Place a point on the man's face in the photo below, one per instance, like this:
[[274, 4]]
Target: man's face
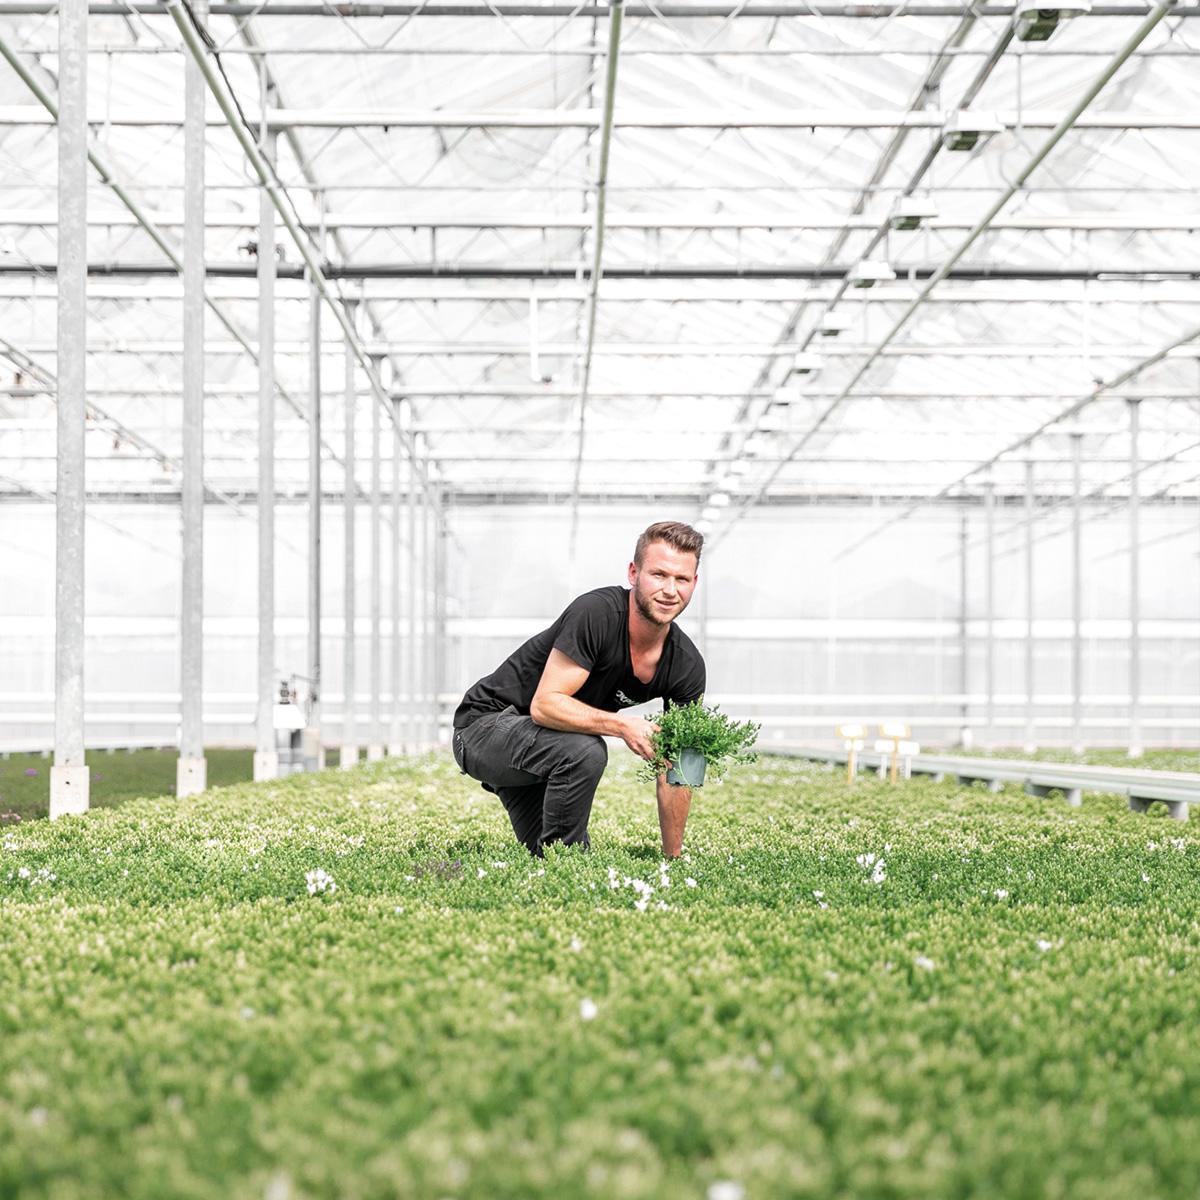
[[663, 584]]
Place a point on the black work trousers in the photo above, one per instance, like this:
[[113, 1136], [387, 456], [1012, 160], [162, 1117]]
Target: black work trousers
[[545, 778]]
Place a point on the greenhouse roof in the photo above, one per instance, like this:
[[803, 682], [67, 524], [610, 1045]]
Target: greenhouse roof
[[672, 303]]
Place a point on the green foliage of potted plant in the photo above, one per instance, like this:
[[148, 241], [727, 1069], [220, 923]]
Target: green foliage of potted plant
[[693, 737]]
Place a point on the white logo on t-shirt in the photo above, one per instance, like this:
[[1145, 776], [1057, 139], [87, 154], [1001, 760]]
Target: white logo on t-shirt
[[624, 699]]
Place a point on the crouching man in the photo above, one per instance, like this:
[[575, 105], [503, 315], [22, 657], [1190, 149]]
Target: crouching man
[[533, 730]]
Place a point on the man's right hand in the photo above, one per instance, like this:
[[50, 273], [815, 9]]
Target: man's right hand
[[636, 734]]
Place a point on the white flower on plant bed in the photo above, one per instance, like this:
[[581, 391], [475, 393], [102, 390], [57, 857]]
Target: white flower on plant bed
[[876, 865], [319, 881], [588, 1010]]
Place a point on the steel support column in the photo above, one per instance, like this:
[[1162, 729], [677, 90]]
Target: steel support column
[[989, 605], [349, 754], [413, 736], [266, 755], [1135, 644], [69, 772], [441, 535], [1030, 728], [395, 733], [191, 770], [1077, 592], [313, 747], [965, 735], [375, 734], [427, 569]]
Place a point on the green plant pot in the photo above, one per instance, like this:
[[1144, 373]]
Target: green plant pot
[[689, 770]]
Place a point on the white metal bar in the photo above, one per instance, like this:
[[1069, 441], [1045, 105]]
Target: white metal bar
[[69, 773], [396, 734], [314, 753], [375, 739], [1077, 591], [266, 757], [1030, 742], [1135, 649], [191, 770], [349, 754]]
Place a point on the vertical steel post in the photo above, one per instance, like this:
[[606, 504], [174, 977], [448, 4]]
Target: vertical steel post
[[1135, 641], [395, 735], [442, 533], [313, 747], [1077, 592], [266, 755], [375, 737], [191, 770], [414, 576], [428, 516], [349, 752], [989, 513], [69, 772], [965, 736], [1030, 725]]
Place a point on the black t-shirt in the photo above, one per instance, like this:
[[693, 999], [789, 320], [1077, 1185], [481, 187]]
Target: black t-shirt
[[593, 631]]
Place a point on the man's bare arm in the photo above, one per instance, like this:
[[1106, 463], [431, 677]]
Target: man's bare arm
[[555, 707], [673, 806]]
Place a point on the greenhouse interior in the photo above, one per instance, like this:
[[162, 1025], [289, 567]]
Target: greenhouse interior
[[351, 356]]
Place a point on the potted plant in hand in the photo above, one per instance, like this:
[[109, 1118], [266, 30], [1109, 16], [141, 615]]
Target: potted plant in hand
[[693, 737]]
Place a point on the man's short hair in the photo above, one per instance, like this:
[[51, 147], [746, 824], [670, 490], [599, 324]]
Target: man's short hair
[[674, 533]]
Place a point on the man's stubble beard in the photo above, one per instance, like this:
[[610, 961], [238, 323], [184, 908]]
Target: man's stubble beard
[[646, 608]]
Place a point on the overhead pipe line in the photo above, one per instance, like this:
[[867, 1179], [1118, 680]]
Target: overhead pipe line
[[1115, 273], [108, 176], [271, 84], [1065, 415], [1160, 11], [277, 120], [187, 27], [610, 95], [350, 8], [932, 80], [1096, 493], [149, 452]]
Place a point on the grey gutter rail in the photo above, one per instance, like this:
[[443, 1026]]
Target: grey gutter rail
[[1176, 789]]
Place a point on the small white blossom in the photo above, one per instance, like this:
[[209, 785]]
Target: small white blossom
[[818, 895], [24, 873], [588, 1010], [319, 881], [481, 873], [1044, 945], [1145, 877], [690, 881], [1001, 893], [926, 964], [576, 945]]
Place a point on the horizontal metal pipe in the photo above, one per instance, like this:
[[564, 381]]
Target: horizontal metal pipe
[[331, 271], [45, 218], [277, 120], [849, 9]]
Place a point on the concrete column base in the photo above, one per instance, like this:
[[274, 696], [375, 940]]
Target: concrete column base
[[349, 758], [69, 787], [374, 752], [266, 765], [191, 776], [312, 753]]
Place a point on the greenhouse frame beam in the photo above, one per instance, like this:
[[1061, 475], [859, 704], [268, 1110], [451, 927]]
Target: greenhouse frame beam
[[1160, 10], [187, 25], [600, 191], [350, 9], [1115, 272], [1108, 388], [280, 120], [647, 222]]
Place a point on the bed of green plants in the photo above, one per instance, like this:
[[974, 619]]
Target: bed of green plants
[[114, 778], [1150, 760], [358, 985]]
